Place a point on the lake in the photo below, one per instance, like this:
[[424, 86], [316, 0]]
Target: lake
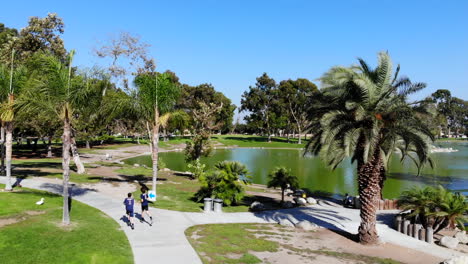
[[451, 169]]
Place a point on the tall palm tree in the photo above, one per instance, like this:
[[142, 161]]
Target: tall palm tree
[[282, 177], [363, 113], [12, 79], [156, 95], [57, 91]]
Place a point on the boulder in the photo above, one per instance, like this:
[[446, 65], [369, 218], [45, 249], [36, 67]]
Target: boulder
[[306, 225], [311, 200], [257, 206], [288, 204], [449, 242], [461, 236], [136, 165], [300, 201], [285, 222], [166, 169], [456, 260]]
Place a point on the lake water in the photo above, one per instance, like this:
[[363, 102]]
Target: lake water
[[451, 169]]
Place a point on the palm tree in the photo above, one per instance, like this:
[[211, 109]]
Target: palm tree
[[224, 182], [282, 178], [56, 91], [363, 113], [11, 80], [156, 95]]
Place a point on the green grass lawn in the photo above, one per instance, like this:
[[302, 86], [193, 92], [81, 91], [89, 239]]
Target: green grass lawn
[[38, 237], [256, 141], [237, 243]]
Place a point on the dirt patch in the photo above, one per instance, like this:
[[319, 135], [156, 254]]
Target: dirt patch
[[10, 221], [35, 212], [326, 246]]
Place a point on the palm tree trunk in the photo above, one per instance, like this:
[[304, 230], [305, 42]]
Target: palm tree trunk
[[66, 169], [49, 148], [8, 153], [369, 191], [76, 157], [155, 140], [2, 149]]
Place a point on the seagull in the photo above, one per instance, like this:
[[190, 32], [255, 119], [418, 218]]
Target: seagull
[[40, 202]]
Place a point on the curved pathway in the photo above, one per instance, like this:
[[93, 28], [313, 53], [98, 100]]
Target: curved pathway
[[165, 241]]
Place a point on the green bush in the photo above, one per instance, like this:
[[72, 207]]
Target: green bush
[[434, 207]]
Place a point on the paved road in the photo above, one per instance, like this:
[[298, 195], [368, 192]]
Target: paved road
[[165, 241]]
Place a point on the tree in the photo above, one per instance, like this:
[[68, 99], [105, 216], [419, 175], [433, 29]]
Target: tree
[[40, 35], [259, 101], [156, 95], [282, 178], [437, 208], [193, 98], [6, 34], [362, 113], [12, 79], [57, 91], [224, 182], [129, 48], [295, 95]]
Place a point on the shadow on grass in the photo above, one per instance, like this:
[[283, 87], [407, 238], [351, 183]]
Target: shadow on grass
[[73, 190]]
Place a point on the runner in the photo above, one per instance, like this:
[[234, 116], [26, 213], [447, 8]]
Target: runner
[[129, 202], [144, 206]]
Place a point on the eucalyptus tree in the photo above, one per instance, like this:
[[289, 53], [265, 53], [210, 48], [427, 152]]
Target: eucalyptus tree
[[156, 95], [12, 79], [363, 113], [296, 94], [58, 91]]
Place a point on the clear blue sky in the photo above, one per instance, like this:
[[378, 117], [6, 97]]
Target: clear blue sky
[[230, 43]]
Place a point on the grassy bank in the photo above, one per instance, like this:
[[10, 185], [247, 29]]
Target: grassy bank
[[34, 233]]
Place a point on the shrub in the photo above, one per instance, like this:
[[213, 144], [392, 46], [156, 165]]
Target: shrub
[[197, 168], [225, 182], [434, 207]]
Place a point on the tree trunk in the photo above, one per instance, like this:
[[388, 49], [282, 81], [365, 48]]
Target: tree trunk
[[76, 157], [35, 144], [155, 147], [88, 146], [369, 191], [299, 135], [282, 195], [49, 148], [8, 153], [66, 168], [2, 149]]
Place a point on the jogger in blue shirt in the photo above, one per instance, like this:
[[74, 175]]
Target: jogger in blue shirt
[[144, 206], [129, 202]]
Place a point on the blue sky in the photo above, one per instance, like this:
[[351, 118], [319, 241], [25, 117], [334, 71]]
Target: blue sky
[[230, 43]]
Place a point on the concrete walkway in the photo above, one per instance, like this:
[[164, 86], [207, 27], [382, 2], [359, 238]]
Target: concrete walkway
[[165, 241]]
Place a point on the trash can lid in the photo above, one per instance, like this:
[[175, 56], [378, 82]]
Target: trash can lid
[[207, 199], [218, 200]]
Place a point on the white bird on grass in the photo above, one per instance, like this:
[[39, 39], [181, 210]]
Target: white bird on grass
[[40, 202]]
